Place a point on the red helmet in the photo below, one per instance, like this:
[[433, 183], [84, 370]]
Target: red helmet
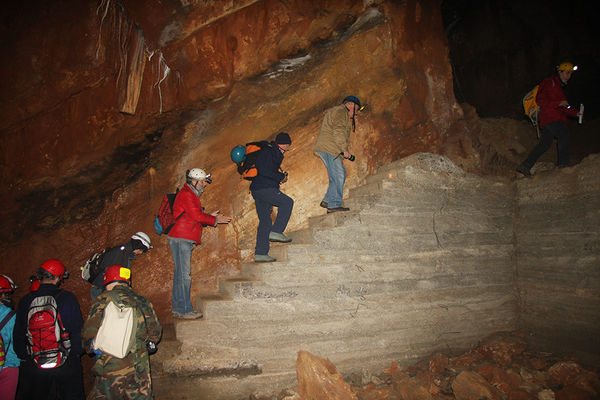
[[117, 273], [55, 267], [6, 284]]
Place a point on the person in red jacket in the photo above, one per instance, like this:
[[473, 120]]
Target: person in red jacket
[[185, 234], [554, 110]]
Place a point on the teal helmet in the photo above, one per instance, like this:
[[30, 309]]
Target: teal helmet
[[238, 154]]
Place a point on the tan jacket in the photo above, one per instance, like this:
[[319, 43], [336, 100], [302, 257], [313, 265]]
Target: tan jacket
[[334, 136]]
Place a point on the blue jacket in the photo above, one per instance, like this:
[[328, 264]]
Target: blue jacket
[[7, 336], [268, 163], [69, 311]]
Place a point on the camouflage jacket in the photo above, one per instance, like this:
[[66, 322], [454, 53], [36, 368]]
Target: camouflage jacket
[[148, 329]]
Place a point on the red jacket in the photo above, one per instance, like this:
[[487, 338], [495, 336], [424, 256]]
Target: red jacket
[[189, 225], [549, 95]]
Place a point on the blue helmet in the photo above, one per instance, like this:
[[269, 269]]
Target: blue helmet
[[238, 154], [352, 99]]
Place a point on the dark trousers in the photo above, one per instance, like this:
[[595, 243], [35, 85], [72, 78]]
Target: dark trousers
[[558, 130], [265, 199], [44, 384]]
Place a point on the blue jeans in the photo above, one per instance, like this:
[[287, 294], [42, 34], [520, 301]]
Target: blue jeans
[[337, 177], [182, 280], [265, 199]]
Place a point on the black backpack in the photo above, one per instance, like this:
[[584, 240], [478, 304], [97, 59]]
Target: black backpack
[[91, 268], [247, 168]]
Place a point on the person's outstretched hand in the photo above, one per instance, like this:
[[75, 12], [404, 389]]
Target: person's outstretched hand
[[221, 219]]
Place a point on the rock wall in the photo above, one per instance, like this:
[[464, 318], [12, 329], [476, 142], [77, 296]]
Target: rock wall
[[96, 175], [558, 259]]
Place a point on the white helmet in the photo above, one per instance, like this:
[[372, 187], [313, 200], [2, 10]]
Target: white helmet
[[145, 239], [198, 174]]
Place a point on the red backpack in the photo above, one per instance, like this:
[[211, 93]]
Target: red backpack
[[48, 343], [164, 221]]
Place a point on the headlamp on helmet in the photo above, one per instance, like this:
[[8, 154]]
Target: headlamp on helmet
[[566, 66], [198, 174]]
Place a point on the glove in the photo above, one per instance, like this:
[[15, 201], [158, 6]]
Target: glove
[[95, 351]]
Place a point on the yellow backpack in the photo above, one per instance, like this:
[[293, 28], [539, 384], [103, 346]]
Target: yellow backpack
[[531, 107]]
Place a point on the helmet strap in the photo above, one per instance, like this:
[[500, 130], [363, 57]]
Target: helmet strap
[[197, 189], [6, 300], [280, 149]]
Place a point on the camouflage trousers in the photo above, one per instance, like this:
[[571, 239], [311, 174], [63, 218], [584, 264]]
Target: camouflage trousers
[[130, 386]]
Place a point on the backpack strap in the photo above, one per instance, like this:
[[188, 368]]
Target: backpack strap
[[58, 317], [180, 215], [113, 297], [7, 318]]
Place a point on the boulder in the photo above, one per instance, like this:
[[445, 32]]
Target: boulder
[[318, 379], [469, 385]]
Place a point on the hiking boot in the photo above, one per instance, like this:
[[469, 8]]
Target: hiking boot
[[521, 168], [263, 258], [336, 209], [279, 237], [323, 204], [192, 315]]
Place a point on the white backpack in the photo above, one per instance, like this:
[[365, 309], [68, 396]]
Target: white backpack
[[116, 335]]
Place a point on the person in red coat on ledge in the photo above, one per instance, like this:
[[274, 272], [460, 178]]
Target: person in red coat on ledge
[[185, 234], [554, 109]]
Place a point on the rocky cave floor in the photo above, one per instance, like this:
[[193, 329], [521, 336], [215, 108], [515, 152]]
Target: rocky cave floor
[[501, 366]]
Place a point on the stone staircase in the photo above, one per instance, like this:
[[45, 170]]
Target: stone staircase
[[421, 263]]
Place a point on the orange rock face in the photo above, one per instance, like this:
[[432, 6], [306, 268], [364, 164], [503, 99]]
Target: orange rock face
[[118, 100]]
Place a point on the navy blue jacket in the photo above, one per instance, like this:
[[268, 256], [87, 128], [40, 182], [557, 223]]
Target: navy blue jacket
[[268, 163], [69, 311]]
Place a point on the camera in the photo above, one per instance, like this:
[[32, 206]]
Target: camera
[[351, 158], [151, 347]]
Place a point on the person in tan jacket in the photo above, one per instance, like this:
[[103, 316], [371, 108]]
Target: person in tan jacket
[[332, 147]]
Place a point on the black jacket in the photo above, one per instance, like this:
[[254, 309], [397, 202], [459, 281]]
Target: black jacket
[[268, 163], [120, 255]]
